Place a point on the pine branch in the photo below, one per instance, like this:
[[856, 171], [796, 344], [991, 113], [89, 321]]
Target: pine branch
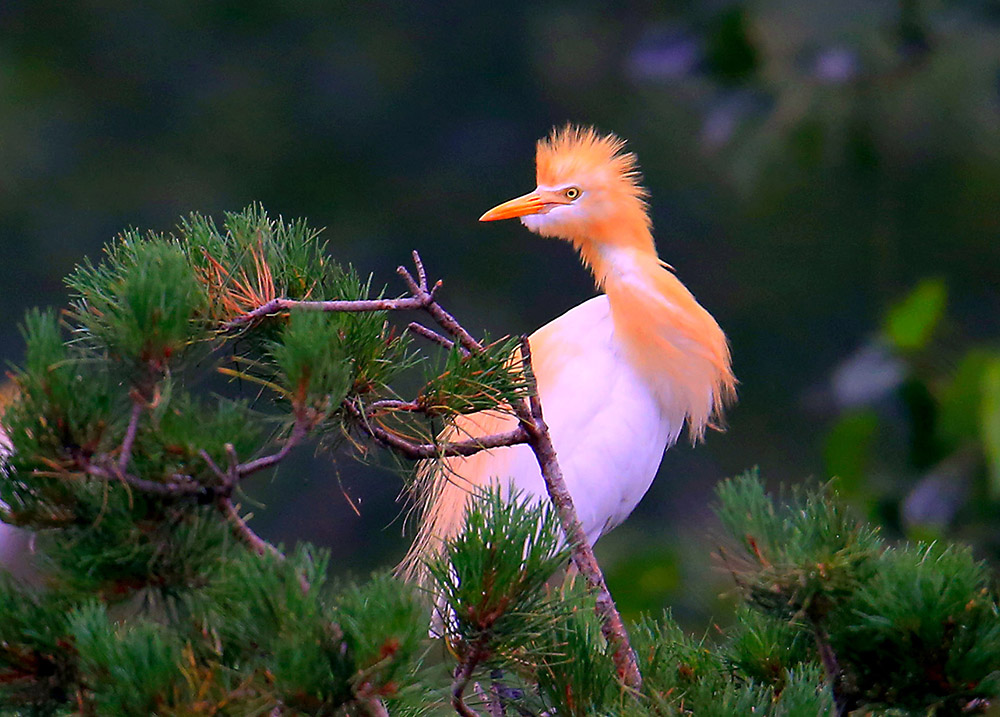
[[540, 441], [431, 335], [463, 674], [532, 430], [275, 306], [421, 451], [299, 431], [243, 531], [418, 289], [180, 485], [130, 432], [831, 668]]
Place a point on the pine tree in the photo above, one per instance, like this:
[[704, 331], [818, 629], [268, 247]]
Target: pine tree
[[157, 597]]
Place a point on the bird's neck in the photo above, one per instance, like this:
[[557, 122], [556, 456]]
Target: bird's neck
[[672, 342]]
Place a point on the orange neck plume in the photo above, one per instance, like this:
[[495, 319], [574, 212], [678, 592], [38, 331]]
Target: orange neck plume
[[669, 337]]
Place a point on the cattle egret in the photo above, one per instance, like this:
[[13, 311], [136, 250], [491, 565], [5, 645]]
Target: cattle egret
[[618, 376]]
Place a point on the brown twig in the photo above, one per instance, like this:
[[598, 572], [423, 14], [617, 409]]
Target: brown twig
[[243, 531], [175, 489], [540, 441], [182, 485], [463, 673], [406, 303], [419, 290], [422, 297], [420, 451], [299, 432], [431, 335], [831, 667], [130, 432], [393, 405], [210, 462]]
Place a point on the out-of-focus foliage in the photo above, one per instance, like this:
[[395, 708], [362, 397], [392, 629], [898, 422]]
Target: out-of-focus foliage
[[920, 452]]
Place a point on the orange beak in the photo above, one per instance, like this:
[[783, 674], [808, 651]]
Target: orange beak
[[528, 204]]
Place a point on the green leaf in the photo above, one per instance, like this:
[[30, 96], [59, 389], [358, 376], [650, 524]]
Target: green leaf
[[989, 421], [847, 450], [959, 416], [910, 323]]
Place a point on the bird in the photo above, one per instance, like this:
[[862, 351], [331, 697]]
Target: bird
[[619, 377]]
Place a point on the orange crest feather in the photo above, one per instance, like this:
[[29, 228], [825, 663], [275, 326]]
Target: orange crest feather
[[573, 152]]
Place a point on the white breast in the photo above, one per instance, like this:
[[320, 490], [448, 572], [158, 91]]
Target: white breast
[[606, 424]]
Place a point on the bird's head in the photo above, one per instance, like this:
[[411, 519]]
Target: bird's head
[[588, 192]]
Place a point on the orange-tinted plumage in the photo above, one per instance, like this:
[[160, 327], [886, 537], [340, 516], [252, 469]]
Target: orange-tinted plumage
[[618, 376]]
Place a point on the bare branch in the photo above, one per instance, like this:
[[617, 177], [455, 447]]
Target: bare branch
[[130, 432], [417, 288], [175, 489], [392, 405], [299, 432], [463, 673], [185, 485], [406, 303], [445, 320], [431, 335], [421, 274], [421, 297], [831, 667], [212, 464], [420, 451], [243, 531]]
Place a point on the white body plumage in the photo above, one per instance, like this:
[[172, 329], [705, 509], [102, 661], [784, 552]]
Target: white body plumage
[[606, 424]]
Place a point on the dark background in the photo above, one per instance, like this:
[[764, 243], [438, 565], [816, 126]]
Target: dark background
[[810, 165]]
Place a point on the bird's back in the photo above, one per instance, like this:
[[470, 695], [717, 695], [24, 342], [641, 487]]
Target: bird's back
[[606, 424]]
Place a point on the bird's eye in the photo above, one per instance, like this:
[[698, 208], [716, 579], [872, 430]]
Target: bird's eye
[[571, 193]]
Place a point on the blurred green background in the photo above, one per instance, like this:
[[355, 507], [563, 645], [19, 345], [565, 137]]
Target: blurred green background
[[825, 177]]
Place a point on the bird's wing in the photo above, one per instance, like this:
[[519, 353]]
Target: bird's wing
[[604, 422], [443, 487]]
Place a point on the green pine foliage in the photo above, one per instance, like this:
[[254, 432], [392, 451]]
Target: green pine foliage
[[466, 384], [142, 304], [153, 596], [492, 577], [911, 627]]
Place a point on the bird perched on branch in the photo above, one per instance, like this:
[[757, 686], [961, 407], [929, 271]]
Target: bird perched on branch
[[619, 376]]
